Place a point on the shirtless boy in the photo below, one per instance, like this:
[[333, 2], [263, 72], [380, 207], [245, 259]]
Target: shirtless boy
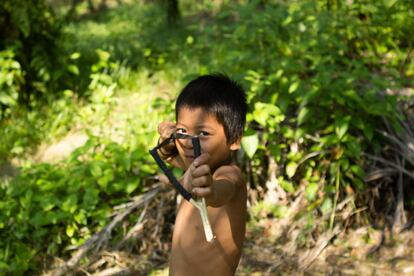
[[212, 107]]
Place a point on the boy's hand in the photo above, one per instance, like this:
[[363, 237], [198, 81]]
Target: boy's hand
[[199, 177], [166, 129]]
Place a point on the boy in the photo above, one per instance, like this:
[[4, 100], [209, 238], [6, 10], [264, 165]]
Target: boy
[[214, 108]]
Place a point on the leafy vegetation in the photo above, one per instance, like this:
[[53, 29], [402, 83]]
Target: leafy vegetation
[[323, 78]]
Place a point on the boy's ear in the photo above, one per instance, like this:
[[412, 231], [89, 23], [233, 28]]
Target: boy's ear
[[236, 145]]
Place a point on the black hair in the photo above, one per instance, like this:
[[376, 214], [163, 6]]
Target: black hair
[[220, 96]]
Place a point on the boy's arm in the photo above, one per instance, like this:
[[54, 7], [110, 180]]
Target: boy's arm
[[219, 188], [226, 181]]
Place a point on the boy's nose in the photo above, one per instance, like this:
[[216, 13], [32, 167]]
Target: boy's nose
[[187, 143]]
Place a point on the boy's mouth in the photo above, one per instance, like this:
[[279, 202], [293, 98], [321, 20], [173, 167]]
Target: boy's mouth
[[191, 157]]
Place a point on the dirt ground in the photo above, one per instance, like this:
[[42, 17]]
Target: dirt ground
[[355, 252]]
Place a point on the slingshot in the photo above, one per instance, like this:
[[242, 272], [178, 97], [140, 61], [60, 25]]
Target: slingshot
[[200, 204]]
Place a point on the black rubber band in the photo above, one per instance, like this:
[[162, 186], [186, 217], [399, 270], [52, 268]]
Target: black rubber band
[[154, 153], [170, 175]]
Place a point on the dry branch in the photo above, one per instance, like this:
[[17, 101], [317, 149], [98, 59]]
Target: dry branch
[[386, 162], [309, 256], [98, 240]]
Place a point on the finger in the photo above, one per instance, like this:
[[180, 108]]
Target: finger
[[202, 159], [164, 179], [202, 181], [200, 171], [165, 129], [202, 192]]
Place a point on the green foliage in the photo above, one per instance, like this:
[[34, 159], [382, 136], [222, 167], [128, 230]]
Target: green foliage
[[49, 208], [318, 84], [325, 89], [318, 80], [11, 78], [32, 53], [24, 129]]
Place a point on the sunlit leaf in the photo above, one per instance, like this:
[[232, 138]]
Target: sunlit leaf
[[264, 112], [311, 191], [73, 69], [291, 169], [389, 3], [70, 230], [250, 142], [303, 115], [95, 169], [190, 40], [326, 206], [286, 185], [293, 87], [131, 186], [75, 55], [341, 126]]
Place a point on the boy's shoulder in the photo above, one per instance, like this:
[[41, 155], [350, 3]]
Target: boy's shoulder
[[229, 172]]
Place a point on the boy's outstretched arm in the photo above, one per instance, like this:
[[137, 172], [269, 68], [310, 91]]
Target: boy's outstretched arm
[[217, 189]]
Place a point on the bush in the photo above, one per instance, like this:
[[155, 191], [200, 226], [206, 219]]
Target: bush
[[49, 208]]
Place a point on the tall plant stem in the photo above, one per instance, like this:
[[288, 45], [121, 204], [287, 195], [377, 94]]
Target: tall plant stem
[[337, 181]]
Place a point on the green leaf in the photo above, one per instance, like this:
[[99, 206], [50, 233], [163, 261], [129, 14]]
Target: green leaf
[[303, 115], [80, 217], [75, 55], [70, 203], [3, 266], [326, 206], [73, 69], [311, 191], [341, 126], [358, 171], [190, 40], [354, 149], [291, 169], [131, 186], [70, 230], [95, 169], [276, 152], [368, 131], [293, 87], [250, 142], [263, 112], [8, 99], [48, 204], [20, 15], [91, 197], [389, 3], [286, 185], [279, 211]]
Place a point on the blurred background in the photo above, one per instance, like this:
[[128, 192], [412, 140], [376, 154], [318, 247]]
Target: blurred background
[[328, 150]]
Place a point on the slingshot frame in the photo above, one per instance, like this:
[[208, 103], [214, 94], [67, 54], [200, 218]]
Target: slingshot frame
[[200, 204]]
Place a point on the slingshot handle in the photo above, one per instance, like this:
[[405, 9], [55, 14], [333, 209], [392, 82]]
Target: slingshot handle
[[201, 203], [196, 146]]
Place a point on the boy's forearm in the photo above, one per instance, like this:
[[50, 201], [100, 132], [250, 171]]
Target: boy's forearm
[[223, 191]]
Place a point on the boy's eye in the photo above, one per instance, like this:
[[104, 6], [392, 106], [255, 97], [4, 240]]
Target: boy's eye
[[180, 130], [203, 133]]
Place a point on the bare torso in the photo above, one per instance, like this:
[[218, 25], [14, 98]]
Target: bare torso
[[192, 255]]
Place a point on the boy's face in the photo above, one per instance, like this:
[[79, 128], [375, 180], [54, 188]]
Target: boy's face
[[197, 121]]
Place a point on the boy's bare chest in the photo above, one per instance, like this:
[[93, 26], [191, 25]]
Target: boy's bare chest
[[226, 225]]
